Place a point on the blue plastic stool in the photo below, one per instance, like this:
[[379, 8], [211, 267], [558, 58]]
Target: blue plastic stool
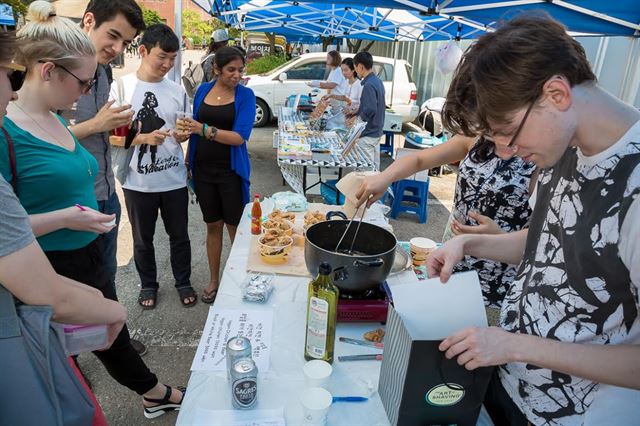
[[388, 144], [418, 193]]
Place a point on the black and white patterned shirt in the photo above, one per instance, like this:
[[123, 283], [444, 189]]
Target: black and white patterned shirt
[[498, 189], [578, 282]]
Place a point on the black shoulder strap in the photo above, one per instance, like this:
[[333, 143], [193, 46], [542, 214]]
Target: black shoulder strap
[[12, 160]]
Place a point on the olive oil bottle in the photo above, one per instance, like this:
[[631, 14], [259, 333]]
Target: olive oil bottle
[[322, 311]]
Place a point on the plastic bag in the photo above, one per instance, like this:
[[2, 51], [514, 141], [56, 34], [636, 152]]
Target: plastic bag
[[289, 201], [448, 57]]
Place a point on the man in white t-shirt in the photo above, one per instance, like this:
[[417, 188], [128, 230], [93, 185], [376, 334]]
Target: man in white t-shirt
[[568, 345], [156, 180]]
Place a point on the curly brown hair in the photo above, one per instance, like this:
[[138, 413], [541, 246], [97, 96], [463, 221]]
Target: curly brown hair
[[506, 70]]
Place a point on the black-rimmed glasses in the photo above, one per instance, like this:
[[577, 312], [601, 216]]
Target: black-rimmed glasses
[[519, 129], [16, 76], [85, 85]]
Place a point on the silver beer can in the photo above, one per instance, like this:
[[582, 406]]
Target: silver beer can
[[244, 383], [237, 347]]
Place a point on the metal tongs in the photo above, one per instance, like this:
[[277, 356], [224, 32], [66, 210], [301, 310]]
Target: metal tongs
[[364, 210]]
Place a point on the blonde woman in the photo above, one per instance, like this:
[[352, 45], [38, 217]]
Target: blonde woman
[[52, 171]]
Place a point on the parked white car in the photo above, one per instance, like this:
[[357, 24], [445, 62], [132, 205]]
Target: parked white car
[[274, 87]]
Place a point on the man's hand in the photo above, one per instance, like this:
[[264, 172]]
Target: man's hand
[[314, 83], [485, 225], [109, 118], [479, 347], [156, 137], [442, 261]]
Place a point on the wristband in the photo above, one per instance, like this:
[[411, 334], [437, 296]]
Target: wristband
[[205, 126]]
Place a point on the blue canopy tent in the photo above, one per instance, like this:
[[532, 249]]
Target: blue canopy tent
[[6, 15], [328, 19], [349, 18]]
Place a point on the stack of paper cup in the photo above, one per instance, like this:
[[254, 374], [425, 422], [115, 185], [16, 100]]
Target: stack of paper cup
[[420, 249]]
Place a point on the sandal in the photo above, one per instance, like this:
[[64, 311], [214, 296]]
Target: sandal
[[186, 292], [164, 404], [209, 297], [147, 294]]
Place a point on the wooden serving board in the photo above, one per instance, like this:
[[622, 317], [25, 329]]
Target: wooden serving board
[[295, 265]]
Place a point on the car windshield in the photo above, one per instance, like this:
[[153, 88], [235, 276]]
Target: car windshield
[[278, 69]]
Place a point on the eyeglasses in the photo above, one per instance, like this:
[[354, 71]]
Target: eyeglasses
[[85, 85], [16, 76], [519, 129], [490, 138]]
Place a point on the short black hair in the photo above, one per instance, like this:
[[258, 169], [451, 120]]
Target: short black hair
[[162, 36], [365, 59], [227, 54], [107, 10]]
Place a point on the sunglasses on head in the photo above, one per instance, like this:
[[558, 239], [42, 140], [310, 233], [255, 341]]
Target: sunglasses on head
[[16, 76]]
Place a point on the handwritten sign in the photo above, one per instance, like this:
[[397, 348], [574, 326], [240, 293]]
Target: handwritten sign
[[222, 325]]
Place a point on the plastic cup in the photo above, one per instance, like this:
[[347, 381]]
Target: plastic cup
[[316, 403], [421, 248], [180, 117], [122, 131], [317, 373]]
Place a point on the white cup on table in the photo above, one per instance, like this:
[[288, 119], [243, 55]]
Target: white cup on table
[[317, 373], [316, 403]]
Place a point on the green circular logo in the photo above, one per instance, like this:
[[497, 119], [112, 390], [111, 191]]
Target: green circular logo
[[444, 395]]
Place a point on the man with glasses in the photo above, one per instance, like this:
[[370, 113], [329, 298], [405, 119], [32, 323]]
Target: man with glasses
[[569, 342], [111, 26]]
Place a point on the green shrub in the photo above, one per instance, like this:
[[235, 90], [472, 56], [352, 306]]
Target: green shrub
[[265, 64], [197, 41]]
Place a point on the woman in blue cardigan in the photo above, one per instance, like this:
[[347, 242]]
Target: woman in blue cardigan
[[224, 112]]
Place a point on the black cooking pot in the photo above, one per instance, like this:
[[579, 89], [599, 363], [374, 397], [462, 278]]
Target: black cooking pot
[[365, 268]]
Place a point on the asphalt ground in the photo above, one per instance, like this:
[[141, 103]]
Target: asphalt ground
[[171, 332]]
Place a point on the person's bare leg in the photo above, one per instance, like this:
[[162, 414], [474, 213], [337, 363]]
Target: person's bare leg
[[232, 232], [214, 252]]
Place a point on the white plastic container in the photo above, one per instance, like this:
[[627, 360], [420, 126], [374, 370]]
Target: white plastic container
[[83, 338]]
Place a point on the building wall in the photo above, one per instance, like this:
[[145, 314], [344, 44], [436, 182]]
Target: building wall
[[164, 8]]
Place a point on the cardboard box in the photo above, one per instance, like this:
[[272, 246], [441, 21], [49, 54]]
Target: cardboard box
[[392, 122]]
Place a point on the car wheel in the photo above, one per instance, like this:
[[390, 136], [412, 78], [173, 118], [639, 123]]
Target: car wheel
[[262, 114]]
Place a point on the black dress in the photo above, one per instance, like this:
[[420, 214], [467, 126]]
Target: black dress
[[218, 188]]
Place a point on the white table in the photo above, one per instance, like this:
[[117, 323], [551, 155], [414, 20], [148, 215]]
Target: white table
[[281, 386]]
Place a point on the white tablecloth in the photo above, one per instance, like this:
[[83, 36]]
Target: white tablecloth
[[281, 386]]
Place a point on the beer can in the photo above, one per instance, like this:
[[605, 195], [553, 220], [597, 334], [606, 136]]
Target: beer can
[[237, 347], [244, 383]]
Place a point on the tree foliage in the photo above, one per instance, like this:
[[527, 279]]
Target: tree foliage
[[19, 6], [150, 17]]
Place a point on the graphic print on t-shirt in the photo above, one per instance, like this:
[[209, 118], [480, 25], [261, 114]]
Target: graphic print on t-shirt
[[149, 121]]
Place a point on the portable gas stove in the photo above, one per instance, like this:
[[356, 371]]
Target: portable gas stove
[[370, 306]]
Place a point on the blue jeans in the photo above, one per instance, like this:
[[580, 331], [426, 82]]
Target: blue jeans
[[111, 206]]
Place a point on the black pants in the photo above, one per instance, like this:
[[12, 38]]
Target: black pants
[[87, 265], [142, 208], [500, 406]]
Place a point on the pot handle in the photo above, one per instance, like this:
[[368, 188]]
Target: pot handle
[[371, 264], [341, 215]]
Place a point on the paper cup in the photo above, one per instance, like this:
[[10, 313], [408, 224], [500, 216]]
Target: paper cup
[[316, 403], [420, 249], [317, 373]]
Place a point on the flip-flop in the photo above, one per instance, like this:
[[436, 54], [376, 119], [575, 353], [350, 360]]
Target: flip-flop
[[147, 294], [164, 404], [186, 292], [209, 297]]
